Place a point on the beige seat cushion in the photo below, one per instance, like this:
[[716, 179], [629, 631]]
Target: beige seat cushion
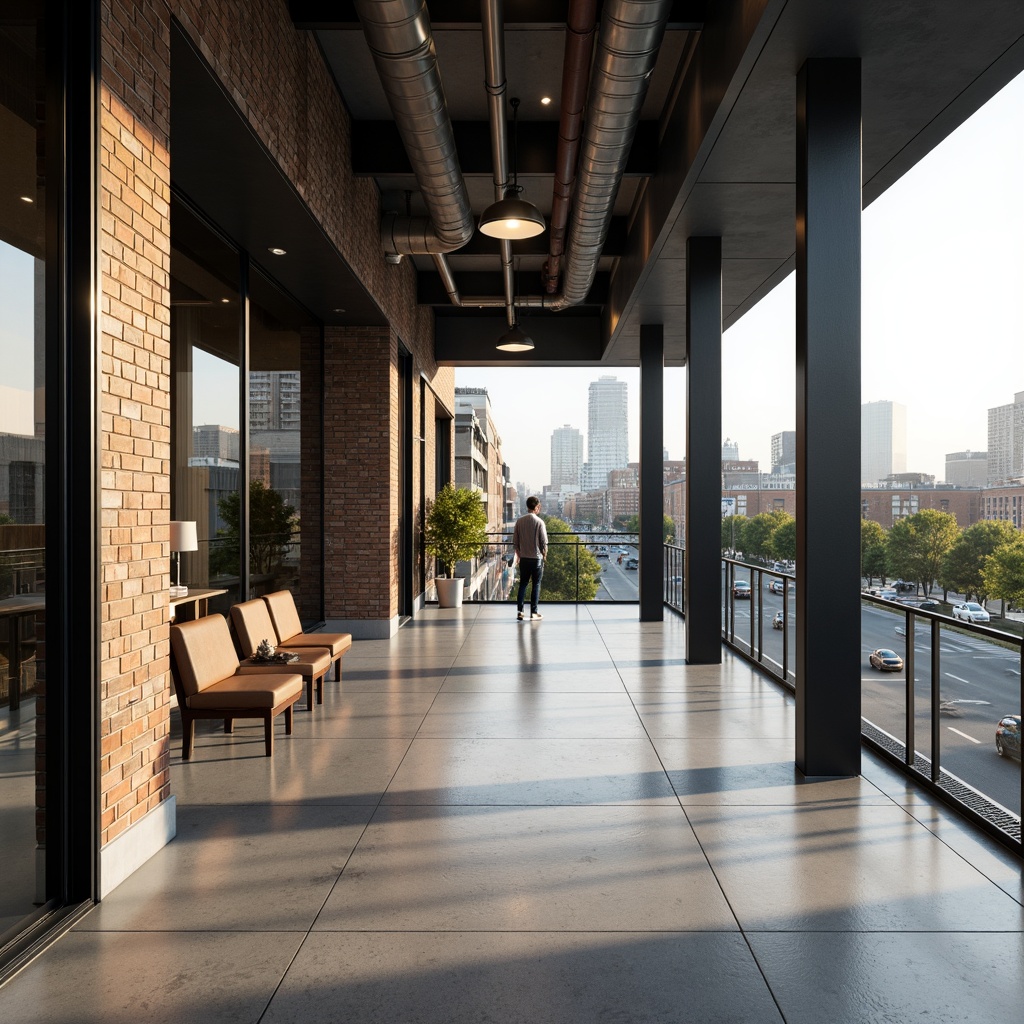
[[313, 661], [253, 625], [203, 653], [261, 690], [336, 643]]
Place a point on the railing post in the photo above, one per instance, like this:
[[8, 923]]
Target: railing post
[[936, 700], [908, 668]]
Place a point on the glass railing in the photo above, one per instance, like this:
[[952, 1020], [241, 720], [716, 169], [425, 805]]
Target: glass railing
[[940, 697], [578, 569]]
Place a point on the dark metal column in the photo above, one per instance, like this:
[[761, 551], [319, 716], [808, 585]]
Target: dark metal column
[[652, 473], [828, 640], [703, 503]]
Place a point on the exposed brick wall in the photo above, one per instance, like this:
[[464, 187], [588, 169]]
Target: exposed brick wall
[[361, 453], [134, 460]]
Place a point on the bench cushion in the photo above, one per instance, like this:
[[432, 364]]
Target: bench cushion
[[288, 626], [203, 652], [336, 643], [258, 690]]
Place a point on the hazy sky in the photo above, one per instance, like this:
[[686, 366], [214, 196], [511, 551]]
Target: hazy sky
[[943, 320]]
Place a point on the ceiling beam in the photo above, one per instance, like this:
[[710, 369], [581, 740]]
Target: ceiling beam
[[430, 291], [377, 149], [453, 15], [561, 340]]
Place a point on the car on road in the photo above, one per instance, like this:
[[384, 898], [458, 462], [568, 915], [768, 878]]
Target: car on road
[[970, 611], [778, 620], [904, 587], [776, 586], [741, 589], [1008, 736], [632, 563], [885, 660]]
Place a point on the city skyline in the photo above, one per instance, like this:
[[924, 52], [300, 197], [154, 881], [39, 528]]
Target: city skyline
[[942, 334]]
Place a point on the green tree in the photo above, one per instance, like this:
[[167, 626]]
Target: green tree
[[272, 522], [631, 524], [1003, 573], [733, 530], [872, 550], [5, 519], [784, 541], [917, 545], [963, 567], [559, 580], [456, 527], [759, 535]]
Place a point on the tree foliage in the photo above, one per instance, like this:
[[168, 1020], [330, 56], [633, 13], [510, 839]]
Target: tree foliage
[[631, 524], [733, 531], [456, 527], [963, 567], [272, 521], [759, 534], [559, 582], [784, 541], [917, 545], [872, 550], [1003, 572]]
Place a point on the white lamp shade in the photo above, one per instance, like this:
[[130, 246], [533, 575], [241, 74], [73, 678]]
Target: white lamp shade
[[183, 536]]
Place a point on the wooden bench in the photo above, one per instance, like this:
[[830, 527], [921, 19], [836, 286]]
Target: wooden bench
[[207, 682]]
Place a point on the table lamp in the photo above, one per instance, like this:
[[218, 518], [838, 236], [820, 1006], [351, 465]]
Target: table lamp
[[183, 538]]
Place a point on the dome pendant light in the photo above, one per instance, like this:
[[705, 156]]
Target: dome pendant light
[[512, 218], [514, 339]]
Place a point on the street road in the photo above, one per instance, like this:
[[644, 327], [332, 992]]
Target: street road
[[972, 668]]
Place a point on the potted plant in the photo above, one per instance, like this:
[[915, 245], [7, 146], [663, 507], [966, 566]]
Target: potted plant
[[456, 529]]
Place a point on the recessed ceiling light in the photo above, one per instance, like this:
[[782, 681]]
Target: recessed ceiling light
[[277, 251], [340, 309], [27, 199], [225, 300], [545, 101]]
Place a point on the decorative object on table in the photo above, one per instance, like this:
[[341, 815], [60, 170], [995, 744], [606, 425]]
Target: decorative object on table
[[266, 653], [183, 538], [456, 530]]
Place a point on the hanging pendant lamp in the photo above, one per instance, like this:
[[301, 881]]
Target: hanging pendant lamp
[[514, 340], [512, 217]]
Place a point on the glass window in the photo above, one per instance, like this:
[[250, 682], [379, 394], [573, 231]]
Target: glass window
[[23, 779], [205, 398]]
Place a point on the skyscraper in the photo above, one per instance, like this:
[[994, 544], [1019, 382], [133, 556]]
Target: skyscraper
[[784, 452], [566, 457], [607, 432], [730, 450], [883, 441], [1006, 441]]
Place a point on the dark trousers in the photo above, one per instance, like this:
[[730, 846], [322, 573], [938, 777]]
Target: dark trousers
[[530, 570]]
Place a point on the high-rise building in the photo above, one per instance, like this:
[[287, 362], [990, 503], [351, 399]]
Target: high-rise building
[[478, 461], [784, 452], [967, 469], [883, 441], [566, 457], [607, 432], [211, 441], [730, 450], [1006, 441]]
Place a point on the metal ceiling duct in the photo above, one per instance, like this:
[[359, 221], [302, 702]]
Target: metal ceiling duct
[[398, 34], [630, 36]]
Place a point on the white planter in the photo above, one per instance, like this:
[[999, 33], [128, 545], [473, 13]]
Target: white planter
[[449, 592]]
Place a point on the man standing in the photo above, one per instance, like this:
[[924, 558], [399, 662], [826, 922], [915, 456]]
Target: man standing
[[530, 540]]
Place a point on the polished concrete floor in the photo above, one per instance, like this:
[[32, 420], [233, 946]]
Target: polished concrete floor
[[552, 821]]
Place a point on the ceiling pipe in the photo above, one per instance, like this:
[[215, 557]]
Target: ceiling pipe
[[492, 18], [581, 22], [399, 37], [630, 36]]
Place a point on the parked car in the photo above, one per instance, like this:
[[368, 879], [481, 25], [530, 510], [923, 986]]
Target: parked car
[[885, 660], [904, 587], [930, 606], [1008, 736], [970, 611], [741, 589], [778, 620]]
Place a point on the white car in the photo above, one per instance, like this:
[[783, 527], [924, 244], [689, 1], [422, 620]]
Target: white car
[[970, 611]]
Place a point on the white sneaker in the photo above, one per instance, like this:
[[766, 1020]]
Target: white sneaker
[[536, 615]]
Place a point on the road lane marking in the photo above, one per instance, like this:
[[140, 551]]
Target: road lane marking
[[965, 736], [958, 679]]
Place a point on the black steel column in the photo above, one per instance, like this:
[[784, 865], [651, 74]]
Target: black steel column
[[828, 633], [703, 502], [652, 472]]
